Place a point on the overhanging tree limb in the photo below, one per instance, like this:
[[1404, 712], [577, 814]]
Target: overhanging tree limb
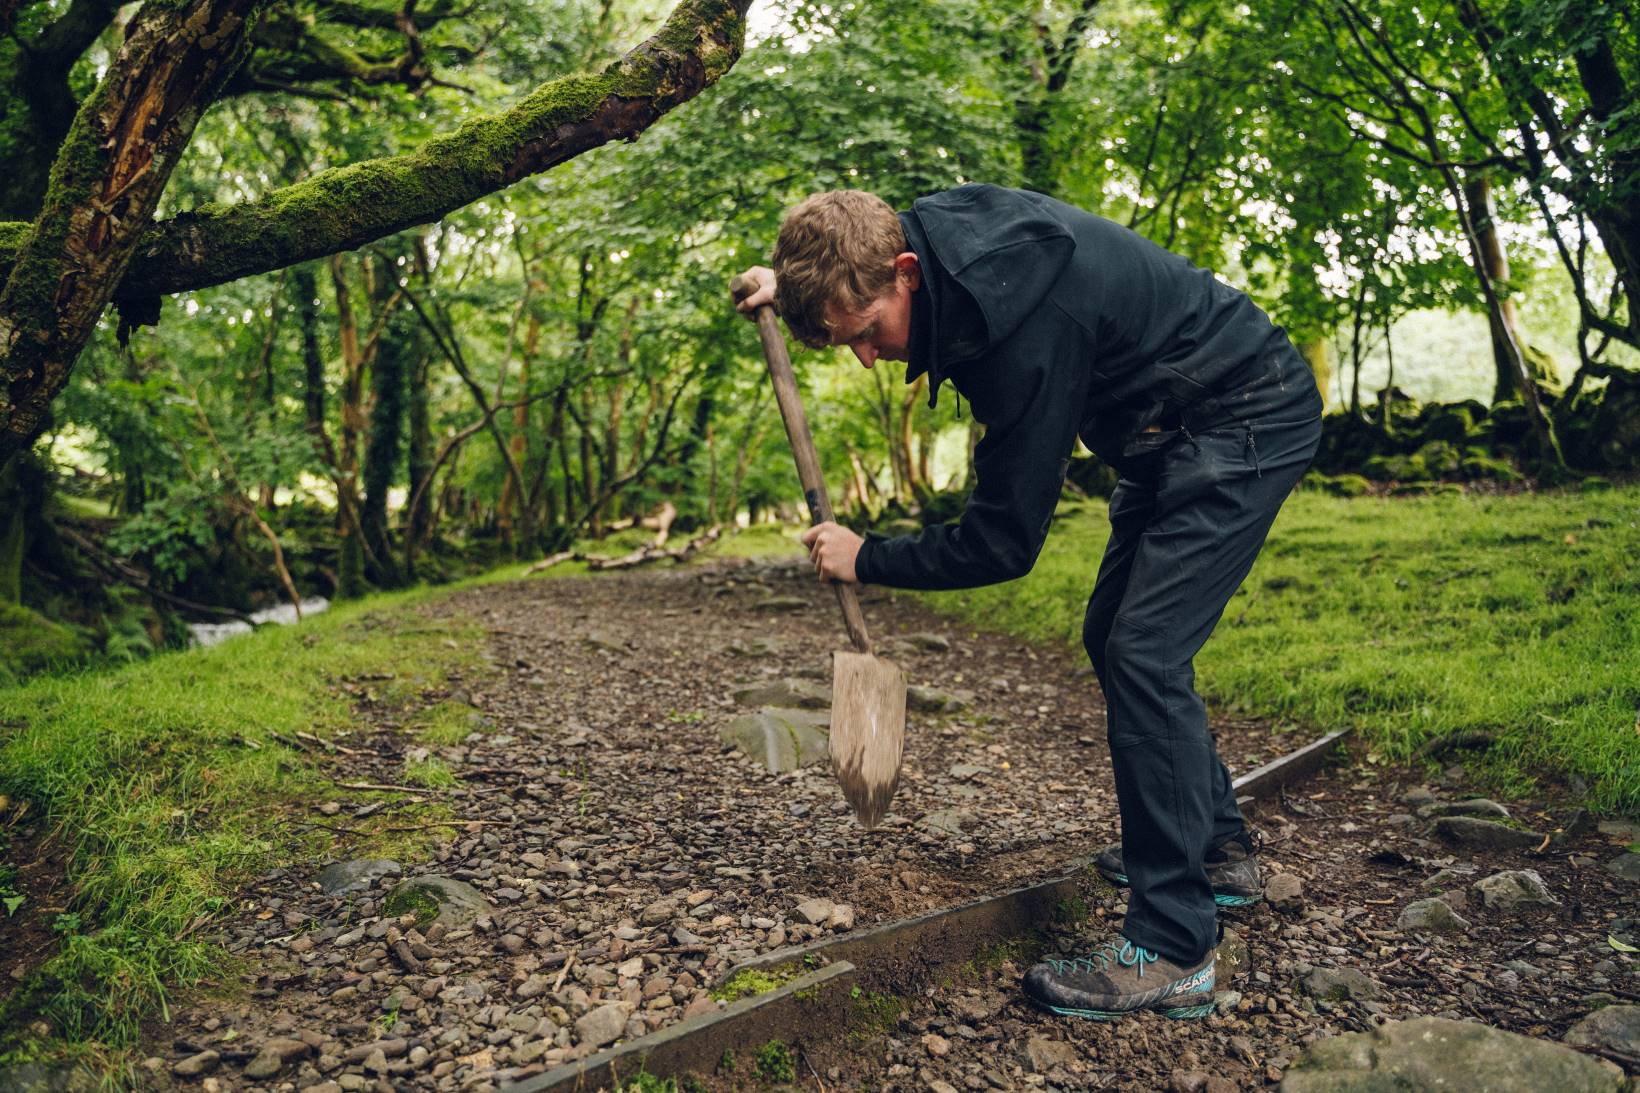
[[346, 207]]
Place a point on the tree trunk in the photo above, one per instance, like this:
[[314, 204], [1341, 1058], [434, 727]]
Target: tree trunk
[[40, 104], [387, 408], [1317, 353], [518, 443], [419, 456], [133, 479], [907, 431], [305, 284], [1501, 316], [611, 469], [107, 179], [1541, 425], [589, 465]]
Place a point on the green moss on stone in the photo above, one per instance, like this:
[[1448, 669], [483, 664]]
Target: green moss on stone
[[753, 981], [416, 901]]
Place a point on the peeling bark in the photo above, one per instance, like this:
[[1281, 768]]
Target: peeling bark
[[85, 243]]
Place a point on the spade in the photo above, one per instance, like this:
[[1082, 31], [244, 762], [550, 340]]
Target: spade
[[867, 691]]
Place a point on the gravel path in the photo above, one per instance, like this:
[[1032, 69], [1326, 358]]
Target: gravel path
[[629, 861]]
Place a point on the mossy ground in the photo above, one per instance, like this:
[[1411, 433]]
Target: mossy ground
[[30, 642], [169, 785], [775, 1062]]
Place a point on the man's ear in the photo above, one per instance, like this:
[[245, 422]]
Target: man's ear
[[906, 266]]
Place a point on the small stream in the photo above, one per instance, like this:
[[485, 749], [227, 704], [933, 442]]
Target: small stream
[[212, 633]]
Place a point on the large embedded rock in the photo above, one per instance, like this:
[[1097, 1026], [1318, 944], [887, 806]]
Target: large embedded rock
[[1615, 1028], [1515, 888], [346, 877], [1233, 961], [947, 821], [799, 694], [603, 1025], [1626, 865], [48, 1078], [781, 739], [1285, 892], [1472, 833], [434, 898], [921, 699], [1045, 1054], [1475, 806], [1340, 984], [1435, 1053], [1431, 916]]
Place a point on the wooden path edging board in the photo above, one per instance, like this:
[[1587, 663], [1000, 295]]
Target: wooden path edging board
[[1269, 779], [697, 1045]]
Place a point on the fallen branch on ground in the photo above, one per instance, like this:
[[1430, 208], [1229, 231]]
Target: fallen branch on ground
[[644, 555], [554, 559], [386, 789]]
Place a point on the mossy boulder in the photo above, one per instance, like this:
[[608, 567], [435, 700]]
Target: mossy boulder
[[1478, 464], [1508, 425], [434, 898], [1397, 468], [782, 739], [1436, 1053], [1449, 423], [1440, 458], [1426, 489], [1615, 429], [1093, 476], [1340, 485], [30, 643]]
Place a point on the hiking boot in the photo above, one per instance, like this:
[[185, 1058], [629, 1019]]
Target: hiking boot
[[1232, 870], [1122, 978]]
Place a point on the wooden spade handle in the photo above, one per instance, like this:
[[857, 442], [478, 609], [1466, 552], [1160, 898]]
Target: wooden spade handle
[[802, 442]]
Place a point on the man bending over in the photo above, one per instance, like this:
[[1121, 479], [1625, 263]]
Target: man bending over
[[1056, 324]]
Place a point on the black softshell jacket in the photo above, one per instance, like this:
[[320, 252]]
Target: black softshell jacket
[[1053, 322]]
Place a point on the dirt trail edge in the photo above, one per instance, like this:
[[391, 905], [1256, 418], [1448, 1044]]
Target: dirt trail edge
[[627, 860]]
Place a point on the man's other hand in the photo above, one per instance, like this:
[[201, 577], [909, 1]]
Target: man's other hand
[[832, 549], [763, 276]]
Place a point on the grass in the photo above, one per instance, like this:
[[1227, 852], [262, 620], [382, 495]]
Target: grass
[[168, 786], [1412, 619]]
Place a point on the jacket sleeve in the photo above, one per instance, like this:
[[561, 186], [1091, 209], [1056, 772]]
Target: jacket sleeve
[[1030, 410]]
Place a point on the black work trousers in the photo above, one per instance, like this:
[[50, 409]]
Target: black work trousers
[[1182, 540]]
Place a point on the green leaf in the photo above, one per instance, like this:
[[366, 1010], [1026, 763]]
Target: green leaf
[[12, 903]]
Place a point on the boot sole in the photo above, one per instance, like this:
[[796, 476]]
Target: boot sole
[[1176, 1013], [1121, 879]]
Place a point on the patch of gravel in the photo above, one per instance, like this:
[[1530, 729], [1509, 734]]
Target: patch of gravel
[[626, 862]]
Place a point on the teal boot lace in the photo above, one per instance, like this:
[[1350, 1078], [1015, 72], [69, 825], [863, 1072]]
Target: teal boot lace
[[1121, 950]]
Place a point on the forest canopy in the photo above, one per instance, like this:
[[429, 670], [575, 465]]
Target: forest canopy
[[307, 296]]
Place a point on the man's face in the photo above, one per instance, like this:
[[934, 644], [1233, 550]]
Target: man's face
[[882, 330]]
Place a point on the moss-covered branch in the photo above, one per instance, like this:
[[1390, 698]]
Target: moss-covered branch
[[346, 207]]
